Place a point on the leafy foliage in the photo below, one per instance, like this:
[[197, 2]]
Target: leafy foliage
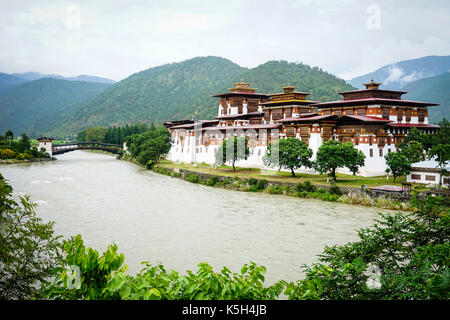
[[290, 153], [400, 257], [19, 149], [333, 154], [231, 150], [148, 147], [114, 134], [104, 277], [397, 164], [29, 250]]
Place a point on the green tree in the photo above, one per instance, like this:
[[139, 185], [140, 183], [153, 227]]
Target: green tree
[[403, 256], [417, 135], [29, 250], [148, 147], [232, 150], [290, 153], [397, 164], [104, 277], [24, 143], [333, 154], [95, 134], [413, 151], [442, 136], [9, 136], [442, 154]]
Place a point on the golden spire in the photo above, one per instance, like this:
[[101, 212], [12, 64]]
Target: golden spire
[[372, 85]]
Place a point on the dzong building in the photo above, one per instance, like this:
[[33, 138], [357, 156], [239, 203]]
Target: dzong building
[[374, 120]]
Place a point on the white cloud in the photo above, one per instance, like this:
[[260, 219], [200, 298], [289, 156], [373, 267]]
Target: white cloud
[[117, 38], [395, 74]]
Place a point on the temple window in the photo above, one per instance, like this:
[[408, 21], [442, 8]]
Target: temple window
[[385, 113], [381, 152], [361, 112], [399, 115], [371, 152], [408, 116], [421, 116]]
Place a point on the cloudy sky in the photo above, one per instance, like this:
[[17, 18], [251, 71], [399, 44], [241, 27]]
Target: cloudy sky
[[116, 38]]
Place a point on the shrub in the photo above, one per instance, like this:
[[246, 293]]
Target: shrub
[[192, 178], [176, 174], [212, 181], [7, 153], [275, 189], [299, 187], [361, 199], [334, 189], [309, 187], [262, 184]]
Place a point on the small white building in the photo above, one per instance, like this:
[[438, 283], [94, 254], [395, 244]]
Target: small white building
[[428, 172], [45, 143]]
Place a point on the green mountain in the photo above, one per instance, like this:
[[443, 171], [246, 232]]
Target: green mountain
[[182, 90], [434, 89], [31, 76], [397, 75], [32, 106], [8, 81]]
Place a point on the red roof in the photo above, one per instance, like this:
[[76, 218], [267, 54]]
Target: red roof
[[394, 102], [314, 118], [246, 127], [252, 94], [365, 118], [373, 90], [410, 125]]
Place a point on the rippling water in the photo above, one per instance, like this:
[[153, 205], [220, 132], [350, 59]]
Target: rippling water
[[162, 219]]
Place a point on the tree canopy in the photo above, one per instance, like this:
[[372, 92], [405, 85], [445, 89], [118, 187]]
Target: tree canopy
[[333, 154], [397, 164], [289, 153], [231, 150]]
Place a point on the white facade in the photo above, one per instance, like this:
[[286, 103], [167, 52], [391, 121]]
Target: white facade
[[47, 145], [427, 172]]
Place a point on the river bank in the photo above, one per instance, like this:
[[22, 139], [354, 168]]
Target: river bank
[[17, 161], [306, 190], [178, 223]]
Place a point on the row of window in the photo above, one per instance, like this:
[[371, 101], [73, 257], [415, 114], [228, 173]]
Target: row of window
[[381, 153], [419, 177]]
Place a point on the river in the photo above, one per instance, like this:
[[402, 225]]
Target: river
[[163, 219]]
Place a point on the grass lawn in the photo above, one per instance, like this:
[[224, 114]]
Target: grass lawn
[[343, 180]]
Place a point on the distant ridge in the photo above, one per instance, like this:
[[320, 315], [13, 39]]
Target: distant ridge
[[183, 90], [434, 89], [8, 81], [30, 106], [397, 75], [30, 76]]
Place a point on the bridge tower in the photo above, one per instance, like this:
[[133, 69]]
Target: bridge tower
[[45, 143]]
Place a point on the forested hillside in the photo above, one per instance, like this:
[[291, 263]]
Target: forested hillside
[[182, 90], [31, 106], [8, 81], [435, 89]]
